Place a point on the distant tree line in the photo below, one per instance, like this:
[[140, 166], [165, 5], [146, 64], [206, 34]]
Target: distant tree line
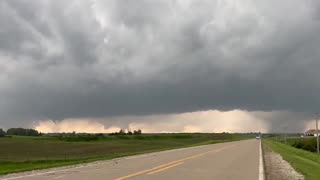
[[33, 132], [123, 132], [19, 132]]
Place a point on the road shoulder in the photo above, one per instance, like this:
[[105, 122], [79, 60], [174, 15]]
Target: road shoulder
[[276, 168]]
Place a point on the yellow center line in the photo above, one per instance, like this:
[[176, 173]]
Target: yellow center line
[[145, 171], [167, 167], [163, 166]]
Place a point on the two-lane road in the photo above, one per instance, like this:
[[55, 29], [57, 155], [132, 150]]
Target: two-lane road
[[232, 160]]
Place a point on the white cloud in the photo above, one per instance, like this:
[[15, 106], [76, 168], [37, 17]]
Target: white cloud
[[70, 125]]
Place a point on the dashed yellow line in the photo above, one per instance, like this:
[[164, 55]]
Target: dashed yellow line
[[145, 171], [168, 165]]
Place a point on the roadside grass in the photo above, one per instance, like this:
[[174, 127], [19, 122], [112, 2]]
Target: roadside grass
[[307, 163], [7, 167], [19, 154], [306, 143]]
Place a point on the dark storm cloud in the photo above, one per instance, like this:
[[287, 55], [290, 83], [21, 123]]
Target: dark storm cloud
[[74, 59]]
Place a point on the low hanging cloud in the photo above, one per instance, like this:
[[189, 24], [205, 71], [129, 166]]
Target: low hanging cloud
[[101, 59], [71, 125], [199, 121]]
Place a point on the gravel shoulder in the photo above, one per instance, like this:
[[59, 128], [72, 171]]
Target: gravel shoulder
[[276, 168]]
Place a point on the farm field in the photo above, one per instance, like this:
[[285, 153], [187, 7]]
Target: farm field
[[20, 153]]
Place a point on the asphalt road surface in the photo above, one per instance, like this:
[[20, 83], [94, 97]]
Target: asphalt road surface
[[231, 160]]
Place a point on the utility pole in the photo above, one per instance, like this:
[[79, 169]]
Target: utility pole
[[285, 134], [317, 129], [285, 138]]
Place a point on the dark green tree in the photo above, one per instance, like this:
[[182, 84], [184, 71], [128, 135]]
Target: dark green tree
[[137, 132], [2, 133], [22, 132], [122, 132]]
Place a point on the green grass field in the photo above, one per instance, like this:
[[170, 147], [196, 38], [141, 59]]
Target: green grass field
[[26, 153], [305, 162]]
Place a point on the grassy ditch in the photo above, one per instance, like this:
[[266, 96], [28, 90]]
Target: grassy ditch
[[305, 162], [27, 153]]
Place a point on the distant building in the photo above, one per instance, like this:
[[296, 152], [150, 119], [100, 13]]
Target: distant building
[[312, 132]]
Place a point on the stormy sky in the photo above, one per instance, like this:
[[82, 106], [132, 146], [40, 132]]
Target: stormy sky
[[169, 65]]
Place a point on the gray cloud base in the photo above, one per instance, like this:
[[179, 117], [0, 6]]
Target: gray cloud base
[[76, 59]]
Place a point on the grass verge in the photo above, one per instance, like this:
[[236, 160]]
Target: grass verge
[[307, 163]]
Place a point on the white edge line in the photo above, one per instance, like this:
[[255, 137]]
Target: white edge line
[[261, 168]]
